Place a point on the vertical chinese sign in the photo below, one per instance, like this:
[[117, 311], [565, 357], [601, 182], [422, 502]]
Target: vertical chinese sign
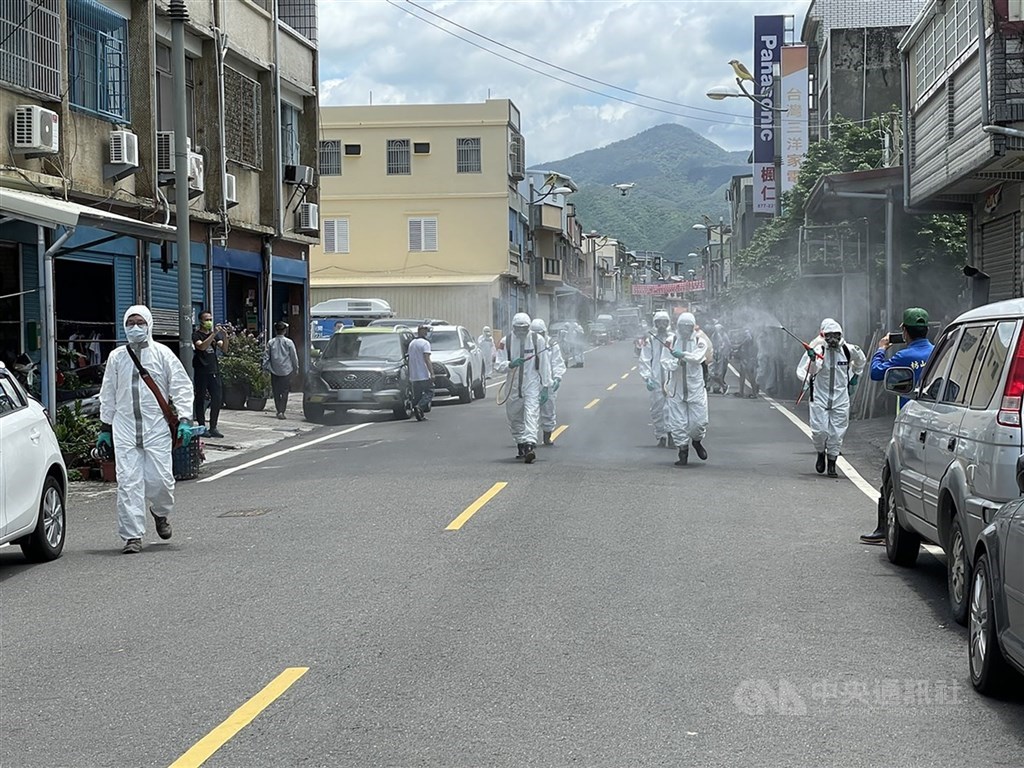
[[769, 34], [794, 119]]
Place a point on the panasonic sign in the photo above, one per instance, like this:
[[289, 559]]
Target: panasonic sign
[[769, 32]]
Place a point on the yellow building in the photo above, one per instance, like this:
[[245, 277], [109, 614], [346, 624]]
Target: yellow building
[[419, 206]]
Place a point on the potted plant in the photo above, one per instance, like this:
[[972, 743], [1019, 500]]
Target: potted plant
[[259, 386], [76, 434], [241, 373]]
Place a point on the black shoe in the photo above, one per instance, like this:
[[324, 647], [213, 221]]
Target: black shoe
[[529, 453], [671, 442], [819, 465], [418, 413], [662, 442], [520, 450], [684, 457], [214, 432], [701, 452], [547, 439], [132, 547], [163, 526], [832, 467], [877, 536]]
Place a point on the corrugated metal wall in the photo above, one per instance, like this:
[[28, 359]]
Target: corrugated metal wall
[[468, 305], [1000, 256]]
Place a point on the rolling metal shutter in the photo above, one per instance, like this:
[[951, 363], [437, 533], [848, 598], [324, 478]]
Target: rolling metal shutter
[[1000, 256]]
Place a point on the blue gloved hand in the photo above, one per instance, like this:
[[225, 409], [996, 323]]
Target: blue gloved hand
[[853, 383], [516, 363], [651, 386], [185, 432], [811, 354], [677, 354], [105, 438], [557, 383], [543, 395]]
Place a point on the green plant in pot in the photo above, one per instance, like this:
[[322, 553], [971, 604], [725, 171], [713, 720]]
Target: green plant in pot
[[245, 382], [76, 434]]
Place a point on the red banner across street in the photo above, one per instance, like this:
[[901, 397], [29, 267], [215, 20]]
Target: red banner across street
[[658, 289]]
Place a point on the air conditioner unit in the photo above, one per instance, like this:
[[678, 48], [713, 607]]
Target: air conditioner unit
[[196, 172], [124, 148], [353, 150], [307, 218], [230, 189], [36, 129], [301, 175], [421, 148], [165, 151]]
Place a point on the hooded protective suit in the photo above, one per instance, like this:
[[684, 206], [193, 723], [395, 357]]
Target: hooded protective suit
[[528, 372], [687, 395], [548, 417], [655, 376], [142, 438], [829, 377], [486, 343]]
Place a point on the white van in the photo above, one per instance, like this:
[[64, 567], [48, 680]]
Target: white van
[[334, 314], [952, 459]]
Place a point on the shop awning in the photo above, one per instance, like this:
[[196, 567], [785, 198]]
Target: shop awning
[[49, 212]]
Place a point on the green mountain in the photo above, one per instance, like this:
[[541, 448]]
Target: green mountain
[[679, 176]]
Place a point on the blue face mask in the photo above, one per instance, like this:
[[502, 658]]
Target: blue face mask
[[137, 333]]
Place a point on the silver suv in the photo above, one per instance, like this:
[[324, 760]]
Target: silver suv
[[951, 462]]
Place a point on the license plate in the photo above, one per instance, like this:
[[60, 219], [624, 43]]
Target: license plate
[[350, 395]]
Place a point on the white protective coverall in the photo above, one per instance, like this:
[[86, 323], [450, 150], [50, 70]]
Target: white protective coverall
[[524, 382], [829, 378], [655, 376], [142, 438], [486, 343], [687, 396], [548, 417]]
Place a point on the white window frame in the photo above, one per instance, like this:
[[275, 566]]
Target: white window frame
[[422, 234], [291, 117], [330, 157], [336, 235], [468, 155], [399, 157]]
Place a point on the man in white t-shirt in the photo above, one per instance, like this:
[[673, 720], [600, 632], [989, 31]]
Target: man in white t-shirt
[[421, 373]]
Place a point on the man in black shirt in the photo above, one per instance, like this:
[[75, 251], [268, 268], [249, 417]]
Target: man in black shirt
[[208, 341]]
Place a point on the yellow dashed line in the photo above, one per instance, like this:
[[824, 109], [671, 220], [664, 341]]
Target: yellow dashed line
[[613, 386], [592, 403], [475, 507]]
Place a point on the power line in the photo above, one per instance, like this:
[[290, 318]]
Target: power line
[[563, 80]]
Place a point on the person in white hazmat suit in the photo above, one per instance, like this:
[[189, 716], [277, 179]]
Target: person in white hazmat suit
[[486, 343], [528, 382], [134, 427], [655, 376], [687, 395], [548, 417], [830, 370]]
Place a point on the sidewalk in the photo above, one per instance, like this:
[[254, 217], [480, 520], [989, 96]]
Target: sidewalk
[[248, 431]]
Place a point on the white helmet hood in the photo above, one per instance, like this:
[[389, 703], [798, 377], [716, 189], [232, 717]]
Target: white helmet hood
[[139, 309], [538, 326], [828, 325]]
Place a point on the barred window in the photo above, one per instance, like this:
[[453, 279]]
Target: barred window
[[948, 36], [243, 110], [30, 55], [467, 156], [399, 157], [300, 15], [423, 234], [335, 236], [290, 117], [98, 60], [330, 157]]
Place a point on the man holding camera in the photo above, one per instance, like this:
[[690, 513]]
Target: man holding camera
[[208, 342], [914, 356]]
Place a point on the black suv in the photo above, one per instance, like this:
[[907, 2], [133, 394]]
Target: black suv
[[365, 368]]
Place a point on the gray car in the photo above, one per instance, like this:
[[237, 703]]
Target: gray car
[[996, 637], [951, 462]]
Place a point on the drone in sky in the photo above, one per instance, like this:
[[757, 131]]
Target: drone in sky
[[624, 187]]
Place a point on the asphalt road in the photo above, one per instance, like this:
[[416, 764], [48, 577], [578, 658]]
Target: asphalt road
[[604, 608]]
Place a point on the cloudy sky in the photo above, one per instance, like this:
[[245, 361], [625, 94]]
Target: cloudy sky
[[671, 50]]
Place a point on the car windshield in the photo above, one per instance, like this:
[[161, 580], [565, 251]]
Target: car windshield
[[444, 341], [364, 346]]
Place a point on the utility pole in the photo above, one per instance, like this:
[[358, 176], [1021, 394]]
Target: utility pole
[[178, 13]]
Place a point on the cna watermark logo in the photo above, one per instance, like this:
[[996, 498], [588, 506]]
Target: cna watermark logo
[[795, 699]]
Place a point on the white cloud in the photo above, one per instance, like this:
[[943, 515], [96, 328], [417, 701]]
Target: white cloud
[[670, 49]]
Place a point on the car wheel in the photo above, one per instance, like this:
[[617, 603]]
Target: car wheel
[[989, 670], [958, 573], [465, 393], [901, 546], [313, 412], [404, 411], [480, 389], [46, 542]]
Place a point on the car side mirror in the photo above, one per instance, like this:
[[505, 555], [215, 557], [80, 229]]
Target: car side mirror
[[899, 381], [1020, 474]]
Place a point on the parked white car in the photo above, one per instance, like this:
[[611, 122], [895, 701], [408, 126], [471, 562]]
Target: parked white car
[[33, 478], [453, 347]]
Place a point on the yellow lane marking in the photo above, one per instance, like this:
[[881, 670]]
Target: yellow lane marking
[[613, 386], [633, 368], [592, 403], [624, 376], [475, 507], [557, 432], [241, 717]]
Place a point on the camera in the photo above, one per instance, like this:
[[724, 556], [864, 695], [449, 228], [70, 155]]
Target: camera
[[895, 337]]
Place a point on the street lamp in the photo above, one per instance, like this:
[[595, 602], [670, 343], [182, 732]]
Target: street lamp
[[722, 229], [596, 243], [559, 185]]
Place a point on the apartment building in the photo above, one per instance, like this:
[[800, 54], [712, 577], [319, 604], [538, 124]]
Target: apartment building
[[87, 106], [419, 206]]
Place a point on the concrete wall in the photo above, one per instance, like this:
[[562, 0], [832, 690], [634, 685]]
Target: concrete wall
[[864, 79]]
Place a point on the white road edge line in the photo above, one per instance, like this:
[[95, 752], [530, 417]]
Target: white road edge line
[[278, 454]]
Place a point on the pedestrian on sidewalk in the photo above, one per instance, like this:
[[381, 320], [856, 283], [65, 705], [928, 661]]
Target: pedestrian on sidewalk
[[830, 373], [134, 426], [914, 356], [548, 416], [421, 373], [687, 394], [486, 344], [656, 377], [209, 343], [282, 362]]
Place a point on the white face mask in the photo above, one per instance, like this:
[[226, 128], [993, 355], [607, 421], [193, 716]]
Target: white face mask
[[137, 333]]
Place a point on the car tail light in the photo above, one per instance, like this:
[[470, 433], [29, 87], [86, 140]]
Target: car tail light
[[1013, 393]]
